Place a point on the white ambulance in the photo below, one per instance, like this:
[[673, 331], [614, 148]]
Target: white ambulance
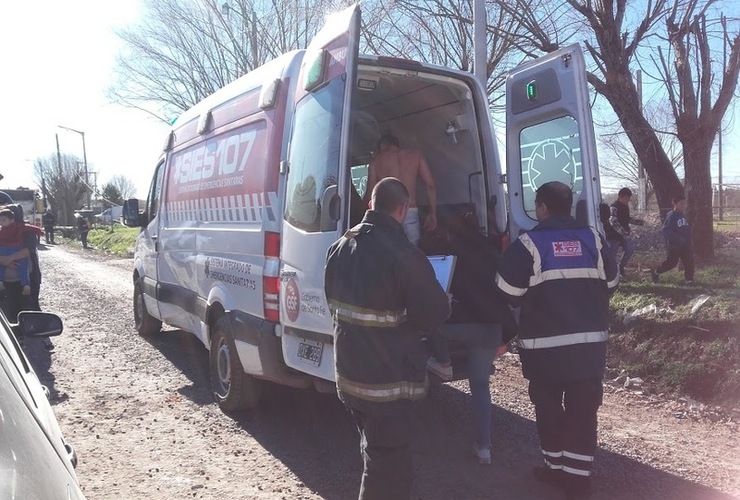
[[257, 180]]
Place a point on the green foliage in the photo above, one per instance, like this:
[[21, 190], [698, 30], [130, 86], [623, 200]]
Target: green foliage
[[115, 239], [111, 195], [677, 351]]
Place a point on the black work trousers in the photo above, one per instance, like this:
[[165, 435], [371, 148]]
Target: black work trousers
[[686, 255], [385, 445], [567, 423]]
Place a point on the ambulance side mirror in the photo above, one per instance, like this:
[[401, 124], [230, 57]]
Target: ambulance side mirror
[[131, 216]]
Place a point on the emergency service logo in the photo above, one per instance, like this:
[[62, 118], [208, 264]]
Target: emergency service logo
[[292, 299], [567, 248]]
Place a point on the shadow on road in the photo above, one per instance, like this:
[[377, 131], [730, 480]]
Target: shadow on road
[[313, 436]]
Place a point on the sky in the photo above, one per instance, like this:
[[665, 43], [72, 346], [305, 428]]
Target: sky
[[57, 59]]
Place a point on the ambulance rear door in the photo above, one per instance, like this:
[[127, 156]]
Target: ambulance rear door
[[317, 192], [550, 136]]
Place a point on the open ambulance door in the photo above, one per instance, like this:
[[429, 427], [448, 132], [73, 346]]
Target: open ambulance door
[[317, 193], [550, 137]]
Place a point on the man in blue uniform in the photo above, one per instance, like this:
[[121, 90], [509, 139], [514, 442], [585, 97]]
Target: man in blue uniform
[[562, 275], [383, 295]]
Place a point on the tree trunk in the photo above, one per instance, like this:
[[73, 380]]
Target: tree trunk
[[649, 150], [699, 197]]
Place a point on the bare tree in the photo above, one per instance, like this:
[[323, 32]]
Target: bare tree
[[617, 159], [441, 32], [183, 51], [63, 181], [125, 186], [617, 37], [690, 73]]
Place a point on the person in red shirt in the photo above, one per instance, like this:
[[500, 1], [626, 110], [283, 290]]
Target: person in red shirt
[[11, 241]]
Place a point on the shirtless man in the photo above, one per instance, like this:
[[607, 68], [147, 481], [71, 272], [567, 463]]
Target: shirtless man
[[407, 165]]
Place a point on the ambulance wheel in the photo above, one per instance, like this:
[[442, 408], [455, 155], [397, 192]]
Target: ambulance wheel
[[232, 388], [145, 323]]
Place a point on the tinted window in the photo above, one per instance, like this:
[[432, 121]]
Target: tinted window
[[155, 192], [314, 154], [550, 151]]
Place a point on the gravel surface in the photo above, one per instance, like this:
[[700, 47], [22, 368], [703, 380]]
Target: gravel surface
[[140, 415]]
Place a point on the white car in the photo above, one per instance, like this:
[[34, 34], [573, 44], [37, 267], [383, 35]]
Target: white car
[[35, 459], [110, 215]]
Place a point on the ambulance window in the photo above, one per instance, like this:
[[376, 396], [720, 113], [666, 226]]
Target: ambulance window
[[155, 192], [550, 151], [359, 178], [314, 155]]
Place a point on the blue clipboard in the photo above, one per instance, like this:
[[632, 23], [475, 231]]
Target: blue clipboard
[[444, 268]]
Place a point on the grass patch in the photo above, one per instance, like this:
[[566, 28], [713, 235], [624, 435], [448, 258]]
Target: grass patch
[[677, 350], [115, 239]]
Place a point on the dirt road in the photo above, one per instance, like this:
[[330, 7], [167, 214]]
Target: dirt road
[[141, 417]]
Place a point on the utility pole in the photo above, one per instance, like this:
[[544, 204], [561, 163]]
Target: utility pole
[[719, 144], [84, 159], [641, 181], [479, 43], [59, 170]]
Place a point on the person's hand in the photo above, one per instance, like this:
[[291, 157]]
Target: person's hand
[[430, 222], [6, 261], [501, 350]]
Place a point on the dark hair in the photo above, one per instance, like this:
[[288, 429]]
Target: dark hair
[[556, 196], [6, 212], [388, 139], [624, 192], [676, 199], [389, 194]]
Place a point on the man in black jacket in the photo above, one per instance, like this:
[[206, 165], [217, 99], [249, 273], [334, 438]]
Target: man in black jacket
[[618, 231], [562, 275], [49, 220], [383, 295]]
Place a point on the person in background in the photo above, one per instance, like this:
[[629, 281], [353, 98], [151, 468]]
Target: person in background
[[83, 226], [678, 238], [13, 301], [49, 220], [407, 165], [12, 241], [383, 295], [562, 275], [618, 232]]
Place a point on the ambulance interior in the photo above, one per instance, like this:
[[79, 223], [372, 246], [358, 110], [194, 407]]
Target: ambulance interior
[[434, 114]]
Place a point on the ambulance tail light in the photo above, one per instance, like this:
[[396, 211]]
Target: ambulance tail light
[[270, 278]]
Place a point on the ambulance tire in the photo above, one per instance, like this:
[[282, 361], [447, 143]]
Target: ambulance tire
[[145, 323], [232, 388]]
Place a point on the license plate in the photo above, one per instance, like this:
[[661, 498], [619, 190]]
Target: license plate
[[310, 351]]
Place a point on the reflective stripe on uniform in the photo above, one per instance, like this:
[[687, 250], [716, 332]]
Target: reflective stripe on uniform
[[552, 465], [509, 289], [363, 316], [576, 472], [559, 274], [552, 453], [380, 393], [563, 340], [576, 456]]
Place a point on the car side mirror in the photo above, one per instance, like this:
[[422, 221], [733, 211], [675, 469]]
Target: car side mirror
[[39, 324]]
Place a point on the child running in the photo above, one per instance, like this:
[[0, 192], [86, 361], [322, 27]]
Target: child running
[[678, 238]]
